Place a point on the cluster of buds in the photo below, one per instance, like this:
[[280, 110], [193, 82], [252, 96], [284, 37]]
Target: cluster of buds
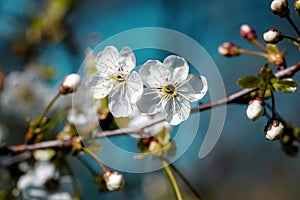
[[280, 7], [272, 36], [69, 84], [229, 49], [255, 110]]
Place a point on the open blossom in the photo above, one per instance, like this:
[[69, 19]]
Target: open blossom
[[170, 88], [114, 77]]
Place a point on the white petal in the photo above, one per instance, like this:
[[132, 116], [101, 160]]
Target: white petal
[[194, 88], [150, 102], [134, 87], [127, 59], [180, 67], [99, 85], [155, 74], [119, 103], [107, 61], [177, 110]]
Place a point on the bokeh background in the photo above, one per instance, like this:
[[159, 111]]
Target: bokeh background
[[50, 39]]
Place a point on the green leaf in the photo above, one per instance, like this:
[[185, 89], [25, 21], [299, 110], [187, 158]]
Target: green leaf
[[286, 85], [265, 74], [171, 149], [93, 145], [272, 48], [248, 81], [163, 136]]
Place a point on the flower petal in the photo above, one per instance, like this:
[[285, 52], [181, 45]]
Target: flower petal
[[194, 88], [155, 74], [119, 103], [177, 110], [134, 87], [99, 85], [180, 67], [150, 102], [127, 59], [107, 61]]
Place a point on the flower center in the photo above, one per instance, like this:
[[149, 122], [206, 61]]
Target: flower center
[[120, 77], [169, 89]]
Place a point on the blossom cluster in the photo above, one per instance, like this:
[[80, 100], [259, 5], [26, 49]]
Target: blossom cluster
[[168, 90]]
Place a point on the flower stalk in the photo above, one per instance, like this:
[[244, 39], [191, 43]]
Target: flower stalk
[[90, 153], [49, 106], [172, 180]]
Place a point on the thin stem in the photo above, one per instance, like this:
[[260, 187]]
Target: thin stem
[[293, 25], [259, 44], [51, 103], [264, 90], [291, 38], [257, 53], [186, 182], [172, 180], [88, 151]]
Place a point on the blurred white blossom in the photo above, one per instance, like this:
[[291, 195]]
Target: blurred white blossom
[[24, 94]]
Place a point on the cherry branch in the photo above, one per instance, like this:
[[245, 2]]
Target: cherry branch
[[26, 148], [288, 72]]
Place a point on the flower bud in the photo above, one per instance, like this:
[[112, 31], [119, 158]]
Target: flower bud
[[297, 6], [228, 49], [274, 129], [255, 109], [114, 180], [272, 36], [69, 84], [280, 7], [247, 32]]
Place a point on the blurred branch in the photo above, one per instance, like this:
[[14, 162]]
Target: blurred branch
[[288, 72], [44, 145]]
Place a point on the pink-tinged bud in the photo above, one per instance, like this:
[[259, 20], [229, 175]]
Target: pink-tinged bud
[[297, 6], [280, 7], [228, 49], [272, 36], [247, 32], [69, 84], [114, 180], [255, 109], [274, 129]]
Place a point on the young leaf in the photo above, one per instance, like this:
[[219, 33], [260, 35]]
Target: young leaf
[[248, 81], [265, 74], [286, 85], [272, 48]]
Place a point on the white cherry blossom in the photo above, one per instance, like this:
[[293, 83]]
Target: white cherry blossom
[[115, 78], [170, 88]]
